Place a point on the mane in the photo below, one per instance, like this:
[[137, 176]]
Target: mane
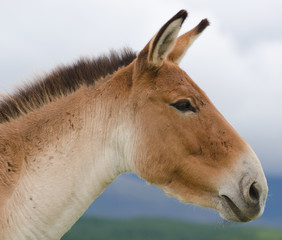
[[61, 82]]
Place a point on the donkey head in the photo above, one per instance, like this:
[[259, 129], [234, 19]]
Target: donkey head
[[184, 145]]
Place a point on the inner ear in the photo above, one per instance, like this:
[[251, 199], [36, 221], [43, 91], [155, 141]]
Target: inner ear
[[162, 44]]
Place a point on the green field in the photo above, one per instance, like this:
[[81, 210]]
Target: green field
[[154, 229]]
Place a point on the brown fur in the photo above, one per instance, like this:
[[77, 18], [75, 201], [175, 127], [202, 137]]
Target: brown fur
[[185, 40], [19, 139], [202, 25], [61, 82], [11, 160], [202, 145]]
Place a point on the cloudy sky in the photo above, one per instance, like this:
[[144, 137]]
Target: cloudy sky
[[237, 60]]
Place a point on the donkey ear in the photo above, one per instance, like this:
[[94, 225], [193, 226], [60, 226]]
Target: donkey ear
[[185, 41], [162, 43]]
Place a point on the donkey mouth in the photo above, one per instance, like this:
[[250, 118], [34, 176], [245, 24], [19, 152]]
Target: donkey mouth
[[237, 212]]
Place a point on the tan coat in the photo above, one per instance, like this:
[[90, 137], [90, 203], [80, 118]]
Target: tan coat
[[70, 134]]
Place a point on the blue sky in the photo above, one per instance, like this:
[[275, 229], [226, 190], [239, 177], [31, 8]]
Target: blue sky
[[236, 61]]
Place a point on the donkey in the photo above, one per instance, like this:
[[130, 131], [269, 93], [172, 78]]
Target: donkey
[[66, 137]]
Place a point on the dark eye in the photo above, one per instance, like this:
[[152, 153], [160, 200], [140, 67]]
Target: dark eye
[[183, 105]]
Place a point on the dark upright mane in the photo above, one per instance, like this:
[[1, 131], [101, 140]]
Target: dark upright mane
[[61, 82]]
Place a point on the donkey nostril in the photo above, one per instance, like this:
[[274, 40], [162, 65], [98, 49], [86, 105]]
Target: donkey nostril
[[254, 192]]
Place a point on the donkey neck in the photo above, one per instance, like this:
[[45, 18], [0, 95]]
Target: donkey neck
[[73, 148]]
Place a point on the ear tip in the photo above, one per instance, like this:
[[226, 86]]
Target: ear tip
[[202, 25], [181, 14]]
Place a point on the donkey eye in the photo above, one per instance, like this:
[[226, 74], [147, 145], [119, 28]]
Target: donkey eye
[[183, 105]]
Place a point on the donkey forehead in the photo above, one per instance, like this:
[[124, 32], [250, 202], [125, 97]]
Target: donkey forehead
[[172, 81]]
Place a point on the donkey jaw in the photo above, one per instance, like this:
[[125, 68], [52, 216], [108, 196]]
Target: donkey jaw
[[243, 195]]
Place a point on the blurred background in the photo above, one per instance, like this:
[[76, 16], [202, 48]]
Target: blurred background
[[236, 61]]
